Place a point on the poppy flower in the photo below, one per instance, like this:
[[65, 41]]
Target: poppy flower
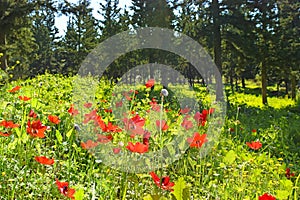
[[197, 140], [24, 98], [288, 173], [108, 110], [9, 124], [32, 114], [116, 150], [231, 130], [150, 83], [5, 134], [15, 89], [88, 144], [253, 131], [87, 105], [162, 124], [255, 145], [36, 129], [266, 196], [73, 111], [54, 119], [104, 138], [64, 189], [184, 111], [119, 104], [137, 147], [111, 128], [164, 183], [90, 116], [187, 124], [44, 160]]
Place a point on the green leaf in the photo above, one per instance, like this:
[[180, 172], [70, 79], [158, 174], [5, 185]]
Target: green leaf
[[282, 194], [79, 194], [58, 136], [179, 186], [69, 133], [230, 157], [148, 197]]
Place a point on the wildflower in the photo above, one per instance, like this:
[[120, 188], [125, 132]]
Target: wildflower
[[164, 92], [254, 145], [266, 196], [197, 140], [187, 124], [32, 114], [64, 189], [73, 111], [288, 173], [54, 119], [104, 138], [137, 147], [15, 89], [36, 129], [162, 124], [44, 160], [150, 83], [185, 110], [87, 105], [119, 103], [164, 183], [116, 150], [90, 116], [9, 124], [5, 134], [88, 144], [253, 131], [24, 98]]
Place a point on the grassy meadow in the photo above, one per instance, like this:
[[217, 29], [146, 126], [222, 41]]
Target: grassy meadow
[[256, 154]]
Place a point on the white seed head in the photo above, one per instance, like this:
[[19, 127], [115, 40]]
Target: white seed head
[[164, 92]]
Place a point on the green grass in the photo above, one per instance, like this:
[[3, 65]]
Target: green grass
[[231, 170]]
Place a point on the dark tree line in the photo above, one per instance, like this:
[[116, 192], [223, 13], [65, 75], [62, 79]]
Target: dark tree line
[[246, 38]]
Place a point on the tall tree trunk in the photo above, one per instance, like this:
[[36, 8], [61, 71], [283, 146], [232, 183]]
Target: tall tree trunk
[[3, 58], [264, 82], [293, 85], [217, 49]]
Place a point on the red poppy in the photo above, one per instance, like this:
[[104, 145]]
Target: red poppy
[[15, 89], [154, 105], [146, 137], [104, 138], [116, 150], [108, 110], [24, 98], [288, 173], [36, 129], [231, 130], [197, 140], [266, 196], [150, 83], [185, 110], [90, 116], [73, 111], [253, 130], [111, 128], [9, 124], [87, 105], [5, 134], [254, 145], [164, 184], [64, 189], [88, 144], [32, 114], [119, 104], [162, 124], [44, 160], [137, 147], [54, 119], [187, 124], [201, 117]]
